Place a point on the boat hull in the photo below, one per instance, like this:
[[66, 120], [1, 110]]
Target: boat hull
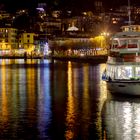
[[125, 88]]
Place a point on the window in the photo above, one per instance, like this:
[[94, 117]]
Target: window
[[115, 43], [137, 71], [124, 72]]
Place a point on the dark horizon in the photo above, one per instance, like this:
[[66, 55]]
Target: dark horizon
[[63, 4]]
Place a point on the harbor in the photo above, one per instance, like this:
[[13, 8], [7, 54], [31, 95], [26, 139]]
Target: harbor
[[69, 70]]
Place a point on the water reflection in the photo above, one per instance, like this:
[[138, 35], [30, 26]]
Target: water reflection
[[20, 98], [4, 111], [51, 100], [70, 115], [121, 119], [84, 98]]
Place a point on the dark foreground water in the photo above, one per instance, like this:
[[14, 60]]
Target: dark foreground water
[[55, 100]]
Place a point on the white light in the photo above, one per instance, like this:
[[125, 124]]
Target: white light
[[40, 9]]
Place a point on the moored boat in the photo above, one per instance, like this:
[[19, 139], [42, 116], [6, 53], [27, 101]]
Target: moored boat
[[122, 72]]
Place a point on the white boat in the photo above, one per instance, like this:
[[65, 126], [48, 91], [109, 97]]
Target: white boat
[[122, 72]]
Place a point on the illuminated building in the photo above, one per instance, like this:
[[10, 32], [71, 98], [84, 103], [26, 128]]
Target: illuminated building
[[4, 14], [26, 42], [52, 26], [41, 43], [8, 39], [136, 10]]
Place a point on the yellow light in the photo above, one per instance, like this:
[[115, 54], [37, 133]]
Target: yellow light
[[70, 120], [114, 22]]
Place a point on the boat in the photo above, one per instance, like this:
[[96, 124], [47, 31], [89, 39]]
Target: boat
[[122, 72]]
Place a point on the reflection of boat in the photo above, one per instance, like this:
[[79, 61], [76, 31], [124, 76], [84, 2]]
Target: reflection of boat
[[123, 65], [120, 119]]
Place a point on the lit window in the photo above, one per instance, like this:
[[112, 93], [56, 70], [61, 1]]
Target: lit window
[[124, 72], [137, 72]]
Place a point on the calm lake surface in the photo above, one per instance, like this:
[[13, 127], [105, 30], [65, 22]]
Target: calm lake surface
[[57, 100]]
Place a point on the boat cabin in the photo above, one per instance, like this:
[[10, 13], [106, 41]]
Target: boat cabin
[[125, 41], [134, 28]]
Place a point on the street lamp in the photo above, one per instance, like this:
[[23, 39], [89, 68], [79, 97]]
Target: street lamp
[[105, 34]]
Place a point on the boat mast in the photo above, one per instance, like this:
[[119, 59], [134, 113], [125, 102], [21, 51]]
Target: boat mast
[[129, 13]]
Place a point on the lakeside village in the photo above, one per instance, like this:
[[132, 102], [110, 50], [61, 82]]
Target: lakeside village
[[42, 34], [33, 45]]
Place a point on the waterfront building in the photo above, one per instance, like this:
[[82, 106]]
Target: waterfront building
[[41, 43], [52, 26], [26, 42], [4, 14], [8, 40]]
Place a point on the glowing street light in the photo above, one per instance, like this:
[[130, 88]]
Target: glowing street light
[[105, 34]]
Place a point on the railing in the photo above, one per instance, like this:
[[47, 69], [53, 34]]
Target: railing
[[126, 49], [127, 46]]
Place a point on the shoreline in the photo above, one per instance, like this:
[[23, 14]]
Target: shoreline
[[93, 59]]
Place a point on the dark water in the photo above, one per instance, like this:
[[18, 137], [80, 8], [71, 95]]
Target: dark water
[[54, 100]]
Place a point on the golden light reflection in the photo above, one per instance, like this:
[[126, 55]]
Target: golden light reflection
[[13, 87], [31, 79], [4, 96], [102, 87], [70, 106], [86, 102], [31, 84], [86, 80], [103, 96], [75, 81]]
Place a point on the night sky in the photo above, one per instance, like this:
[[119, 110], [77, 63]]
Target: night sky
[[78, 4]]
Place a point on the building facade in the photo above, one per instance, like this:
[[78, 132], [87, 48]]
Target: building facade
[[26, 42], [8, 40]]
